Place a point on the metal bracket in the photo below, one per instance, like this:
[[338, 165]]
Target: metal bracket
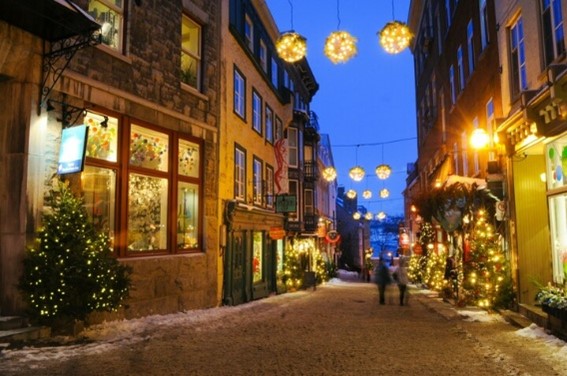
[[62, 51]]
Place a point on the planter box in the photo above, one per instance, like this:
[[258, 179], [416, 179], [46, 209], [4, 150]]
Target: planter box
[[556, 321]]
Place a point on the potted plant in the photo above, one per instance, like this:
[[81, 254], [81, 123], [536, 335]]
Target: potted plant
[[553, 300]]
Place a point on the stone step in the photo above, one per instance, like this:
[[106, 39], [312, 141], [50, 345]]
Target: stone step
[[25, 334], [12, 322]]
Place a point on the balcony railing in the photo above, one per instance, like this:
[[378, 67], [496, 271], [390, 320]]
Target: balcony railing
[[310, 171]]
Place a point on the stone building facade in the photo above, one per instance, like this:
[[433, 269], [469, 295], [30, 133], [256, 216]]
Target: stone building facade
[[149, 76]]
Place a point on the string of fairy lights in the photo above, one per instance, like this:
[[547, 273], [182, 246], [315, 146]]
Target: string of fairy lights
[[340, 45], [383, 171]]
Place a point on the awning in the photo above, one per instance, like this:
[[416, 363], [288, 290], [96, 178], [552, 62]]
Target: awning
[[51, 20], [452, 179]]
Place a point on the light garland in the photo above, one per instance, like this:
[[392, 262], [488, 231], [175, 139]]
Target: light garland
[[395, 37], [357, 216], [340, 47], [384, 193], [383, 171], [329, 174], [351, 193], [367, 194], [380, 216], [356, 173], [368, 216], [291, 47]]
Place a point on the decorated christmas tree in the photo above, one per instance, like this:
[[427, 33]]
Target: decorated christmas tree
[[71, 271], [485, 267]]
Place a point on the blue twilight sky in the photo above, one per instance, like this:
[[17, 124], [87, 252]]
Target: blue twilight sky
[[368, 100]]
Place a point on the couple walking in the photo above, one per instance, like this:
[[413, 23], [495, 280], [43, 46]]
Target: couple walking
[[384, 278]]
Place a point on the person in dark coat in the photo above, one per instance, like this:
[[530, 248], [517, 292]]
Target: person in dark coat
[[383, 279]]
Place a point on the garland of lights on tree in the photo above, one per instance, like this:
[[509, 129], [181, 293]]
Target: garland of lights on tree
[[296, 263], [70, 271]]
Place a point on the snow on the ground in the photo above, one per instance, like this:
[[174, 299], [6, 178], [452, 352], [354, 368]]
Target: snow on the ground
[[116, 334]]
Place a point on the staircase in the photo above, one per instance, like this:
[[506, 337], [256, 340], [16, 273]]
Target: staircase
[[17, 329]]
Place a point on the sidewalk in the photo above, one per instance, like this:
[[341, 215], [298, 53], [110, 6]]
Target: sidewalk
[[432, 301]]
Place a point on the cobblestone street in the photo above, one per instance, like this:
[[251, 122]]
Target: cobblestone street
[[339, 329]]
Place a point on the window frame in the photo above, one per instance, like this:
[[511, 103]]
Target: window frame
[[257, 118], [239, 173], [461, 68], [269, 123], [452, 86], [270, 184], [249, 32], [517, 57], [484, 30], [191, 54], [239, 93], [257, 181], [123, 169], [293, 150], [470, 47], [553, 35], [121, 11]]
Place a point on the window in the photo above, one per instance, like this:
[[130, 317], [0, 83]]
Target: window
[[269, 125], [269, 186], [518, 57], [239, 94], [239, 174], [452, 85], [294, 191], [263, 55], [464, 153], [279, 129], [456, 158], [484, 35], [110, 15], [439, 30], [190, 52], [153, 190], [490, 127], [553, 36], [275, 80], [308, 205], [258, 257], [470, 46], [461, 68], [257, 181], [475, 155], [256, 112], [249, 32], [293, 143], [448, 13]]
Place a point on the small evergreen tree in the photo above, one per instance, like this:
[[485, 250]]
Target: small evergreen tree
[[71, 271]]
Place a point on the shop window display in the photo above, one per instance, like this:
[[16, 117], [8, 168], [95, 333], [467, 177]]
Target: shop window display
[[147, 213], [257, 260], [556, 166], [154, 188]]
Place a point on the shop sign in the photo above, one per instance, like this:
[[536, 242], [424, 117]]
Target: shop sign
[[72, 150], [332, 237], [277, 233], [286, 204]]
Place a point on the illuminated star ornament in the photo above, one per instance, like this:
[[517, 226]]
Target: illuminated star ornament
[[291, 47], [395, 37], [340, 47]]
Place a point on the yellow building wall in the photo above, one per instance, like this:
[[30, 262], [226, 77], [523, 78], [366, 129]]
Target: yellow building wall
[[532, 229]]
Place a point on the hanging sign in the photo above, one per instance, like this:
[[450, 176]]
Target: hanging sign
[[332, 237], [286, 204], [277, 233]]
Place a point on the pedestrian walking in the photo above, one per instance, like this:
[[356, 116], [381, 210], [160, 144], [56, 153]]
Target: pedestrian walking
[[383, 279], [402, 279]]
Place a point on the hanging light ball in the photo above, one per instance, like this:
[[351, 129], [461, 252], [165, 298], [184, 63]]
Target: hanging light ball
[[356, 173], [340, 47], [329, 174], [395, 37], [368, 216], [367, 194], [351, 193], [383, 171], [384, 193], [380, 216], [291, 46], [356, 215]]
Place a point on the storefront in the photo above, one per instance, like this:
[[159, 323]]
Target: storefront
[[254, 252]]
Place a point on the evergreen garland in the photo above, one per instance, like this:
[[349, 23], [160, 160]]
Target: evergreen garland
[[71, 271]]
